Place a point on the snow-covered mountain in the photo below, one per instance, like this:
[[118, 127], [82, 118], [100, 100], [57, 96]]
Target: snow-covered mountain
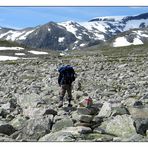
[[73, 35]]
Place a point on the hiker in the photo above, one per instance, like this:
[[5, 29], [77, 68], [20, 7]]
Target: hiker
[[65, 79]]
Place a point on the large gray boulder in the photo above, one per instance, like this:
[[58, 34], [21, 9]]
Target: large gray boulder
[[36, 128], [59, 125], [59, 136], [122, 126], [66, 134], [18, 122]]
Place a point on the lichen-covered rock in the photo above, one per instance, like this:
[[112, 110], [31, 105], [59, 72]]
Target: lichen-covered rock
[[58, 137], [36, 128], [18, 122], [98, 137], [122, 126], [59, 125]]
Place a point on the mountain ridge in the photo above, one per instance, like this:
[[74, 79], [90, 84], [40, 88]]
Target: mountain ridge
[[74, 35]]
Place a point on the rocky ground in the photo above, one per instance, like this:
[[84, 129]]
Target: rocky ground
[[118, 86]]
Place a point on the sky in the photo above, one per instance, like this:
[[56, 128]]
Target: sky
[[22, 17]]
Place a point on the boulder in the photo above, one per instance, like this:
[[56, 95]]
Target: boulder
[[129, 102], [138, 112], [119, 111], [83, 124], [59, 125], [6, 128], [141, 125], [87, 111], [133, 138], [77, 95], [5, 138], [36, 128], [86, 118], [50, 111], [99, 130], [58, 137], [122, 126], [78, 130], [98, 137], [18, 122], [105, 110], [66, 134]]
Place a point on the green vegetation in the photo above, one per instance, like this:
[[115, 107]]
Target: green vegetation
[[8, 43]]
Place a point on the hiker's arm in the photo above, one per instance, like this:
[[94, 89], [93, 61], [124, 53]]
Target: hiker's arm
[[59, 79]]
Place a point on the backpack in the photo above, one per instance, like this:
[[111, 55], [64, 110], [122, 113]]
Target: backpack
[[67, 74]]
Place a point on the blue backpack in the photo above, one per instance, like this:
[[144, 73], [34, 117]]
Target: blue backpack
[[67, 74]]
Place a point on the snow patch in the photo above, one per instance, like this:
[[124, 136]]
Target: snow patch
[[19, 54], [69, 27], [11, 48], [121, 41], [24, 36], [82, 45], [137, 41], [61, 39], [5, 58], [62, 54], [99, 36], [49, 29], [97, 26], [13, 35], [37, 52]]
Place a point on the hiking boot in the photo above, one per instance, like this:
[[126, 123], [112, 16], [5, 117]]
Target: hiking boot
[[60, 104]]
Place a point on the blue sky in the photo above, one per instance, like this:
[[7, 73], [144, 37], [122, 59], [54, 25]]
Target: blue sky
[[21, 17]]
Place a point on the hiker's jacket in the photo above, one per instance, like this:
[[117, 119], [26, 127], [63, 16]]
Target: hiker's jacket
[[66, 76]]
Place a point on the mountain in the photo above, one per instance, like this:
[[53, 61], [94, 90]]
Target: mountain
[[75, 35]]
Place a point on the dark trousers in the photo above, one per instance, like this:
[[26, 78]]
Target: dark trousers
[[63, 89]]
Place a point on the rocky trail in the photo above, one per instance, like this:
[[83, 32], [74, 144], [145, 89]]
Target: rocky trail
[[118, 86]]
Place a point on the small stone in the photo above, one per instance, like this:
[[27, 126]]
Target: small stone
[[99, 130], [87, 111], [83, 124], [50, 111], [138, 103], [78, 130], [86, 118]]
